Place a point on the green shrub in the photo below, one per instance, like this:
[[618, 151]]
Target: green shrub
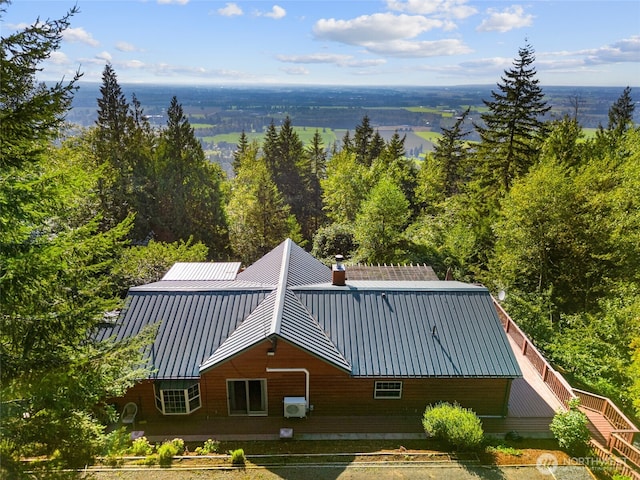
[[179, 444], [571, 430], [209, 447], [141, 447], [237, 457], [117, 442], [166, 452], [459, 427]]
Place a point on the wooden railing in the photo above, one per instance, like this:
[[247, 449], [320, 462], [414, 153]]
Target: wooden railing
[[613, 461], [608, 410], [620, 442], [556, 382]]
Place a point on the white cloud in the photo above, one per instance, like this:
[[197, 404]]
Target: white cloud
[[508, 19], [58, 58], [626, 50], [457, 9], [80, 35], [230, 10], [277, 12], [376, 28], [176, 2], [135, 64], [331, 58], [295, 71], [435, 48], [125, 47], [104, 56]]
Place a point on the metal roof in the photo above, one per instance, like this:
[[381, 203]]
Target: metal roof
[[202, 285], [281, 314], [390, 333], [203, 271], [192, 325], [301, 268], [368, 328]]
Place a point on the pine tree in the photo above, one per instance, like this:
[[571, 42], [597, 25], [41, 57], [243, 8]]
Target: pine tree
[[55, 282], [450, 154], [513, 125], [190, 197], [259, 219], [621, 113], [317, 156], [111, 144], [241, 149]]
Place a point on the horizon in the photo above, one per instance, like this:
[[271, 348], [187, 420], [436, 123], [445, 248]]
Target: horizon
[[366, 43]]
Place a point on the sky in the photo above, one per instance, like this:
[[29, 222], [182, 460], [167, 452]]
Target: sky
[[344, 42]]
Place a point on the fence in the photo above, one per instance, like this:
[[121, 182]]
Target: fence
[[620, 451]]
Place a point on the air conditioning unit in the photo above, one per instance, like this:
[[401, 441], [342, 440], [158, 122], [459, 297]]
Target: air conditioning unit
[[295, 407]]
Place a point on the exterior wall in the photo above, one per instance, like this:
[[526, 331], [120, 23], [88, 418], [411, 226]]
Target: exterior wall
[[332, 391]]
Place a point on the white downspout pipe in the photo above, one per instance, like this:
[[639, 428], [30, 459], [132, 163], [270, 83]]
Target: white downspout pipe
[[289, 370]]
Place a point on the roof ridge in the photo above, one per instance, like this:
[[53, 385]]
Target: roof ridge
[[281, 289]]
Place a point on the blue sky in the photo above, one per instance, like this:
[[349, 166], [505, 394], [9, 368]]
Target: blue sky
[[345, 42]]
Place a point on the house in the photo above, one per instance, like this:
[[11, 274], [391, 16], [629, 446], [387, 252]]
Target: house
[[290, 337]]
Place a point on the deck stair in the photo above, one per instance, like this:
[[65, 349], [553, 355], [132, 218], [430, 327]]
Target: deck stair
[[612, 433]]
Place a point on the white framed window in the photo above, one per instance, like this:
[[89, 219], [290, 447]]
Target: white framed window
[[177, 397], [388, 390], [247, 396]]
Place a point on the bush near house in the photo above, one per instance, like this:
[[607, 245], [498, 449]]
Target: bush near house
[[459, 427], [571, 430]]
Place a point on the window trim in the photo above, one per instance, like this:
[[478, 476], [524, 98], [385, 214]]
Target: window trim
[[188, 396], [263, 392], [382, 386]]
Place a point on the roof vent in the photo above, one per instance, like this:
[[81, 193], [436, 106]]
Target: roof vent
[[338, 272]]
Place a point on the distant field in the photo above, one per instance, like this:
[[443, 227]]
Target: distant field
[[435, 110], [304, 133], [429, 136]]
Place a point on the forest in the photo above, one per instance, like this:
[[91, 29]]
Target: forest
[[533, 208]]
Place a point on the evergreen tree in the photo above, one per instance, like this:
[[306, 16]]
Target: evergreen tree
[[513, 125], [621, 113], [243, 145], [190, 197], [55, 283], [620, 120], [317, 156], [362, 142], [111, 144], [259, 219], [270, 146], [450, 156]]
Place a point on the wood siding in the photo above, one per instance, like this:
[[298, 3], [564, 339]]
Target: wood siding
[[333, 392]]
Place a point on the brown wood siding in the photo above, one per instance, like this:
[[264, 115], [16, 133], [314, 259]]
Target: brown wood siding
[[333, 392]]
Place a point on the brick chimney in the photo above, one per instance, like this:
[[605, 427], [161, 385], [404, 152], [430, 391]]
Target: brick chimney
[[338, 272]]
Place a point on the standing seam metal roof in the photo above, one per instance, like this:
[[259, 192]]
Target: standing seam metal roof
[[379, 328]]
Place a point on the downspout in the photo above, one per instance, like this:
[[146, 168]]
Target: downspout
[[289, 370]]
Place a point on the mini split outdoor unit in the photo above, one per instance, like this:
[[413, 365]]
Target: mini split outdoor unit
[[295, 407]]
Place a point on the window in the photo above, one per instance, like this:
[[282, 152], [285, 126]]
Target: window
[[247, 397], [177, 397], [388, 390]]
